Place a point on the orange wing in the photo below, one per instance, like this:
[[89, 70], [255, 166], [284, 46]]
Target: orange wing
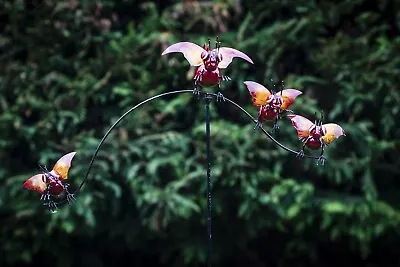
[[301, 124], [35, 183], [63, 164], [332, 132], [228, 54], [258, 93], [288, 96], [192, 52]]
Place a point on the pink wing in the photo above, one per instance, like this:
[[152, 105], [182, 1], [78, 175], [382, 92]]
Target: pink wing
[[289, 95], [332, 132], [228, 54], [192, 52], [258, 93], [63, 164], [35, 183], [301, 124]]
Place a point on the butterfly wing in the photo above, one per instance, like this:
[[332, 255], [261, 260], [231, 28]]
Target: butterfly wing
[[288, 96], [301, 124], [332, 132], [258, 93], [228, 54], [35, 183], [63, 164], [192, 52]]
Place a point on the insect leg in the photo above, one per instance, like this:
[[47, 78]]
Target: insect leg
[[197, 79], [46, 194], [52, 206], [275, 129], [195, 90], [70, 196], [226, 78], [300, 154], [259, 118], [258, 124], [220, 96], [46, 197], [321, 159]]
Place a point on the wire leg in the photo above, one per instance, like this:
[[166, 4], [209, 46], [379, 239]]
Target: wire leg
[[321, 159]]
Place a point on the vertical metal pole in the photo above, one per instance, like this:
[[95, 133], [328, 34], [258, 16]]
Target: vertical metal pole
[[207, 99]]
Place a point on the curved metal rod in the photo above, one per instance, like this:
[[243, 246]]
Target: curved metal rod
[[159, 96], [262, 129], [118, 121], [265, 131]]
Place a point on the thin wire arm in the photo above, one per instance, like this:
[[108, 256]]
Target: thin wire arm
[[264, 131], [166, 94], [115, 125]]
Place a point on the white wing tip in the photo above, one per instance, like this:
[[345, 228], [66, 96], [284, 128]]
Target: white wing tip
[[165, 52], [247, 83], [295, 92], [68, 157]]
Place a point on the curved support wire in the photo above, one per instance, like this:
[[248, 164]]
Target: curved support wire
[[166, 94]]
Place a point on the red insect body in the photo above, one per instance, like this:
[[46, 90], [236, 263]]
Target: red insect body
[[314, 135], [206, 77], [209, 62], [271, 110], [315, 141], [266, 113], [211, 58], [208, 74], [270, 104], [54, 183], [51, 182]]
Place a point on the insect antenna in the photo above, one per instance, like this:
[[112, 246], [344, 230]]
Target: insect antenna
[[43, 168], [217, 46], [316, 120], [283, 86], [322, 117], [209, 44], [217, 43], [273, 90]]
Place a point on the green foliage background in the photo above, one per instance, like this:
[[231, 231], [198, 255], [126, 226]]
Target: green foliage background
[[69, 69]]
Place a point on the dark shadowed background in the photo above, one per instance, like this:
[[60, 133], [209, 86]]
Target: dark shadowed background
[[69, 69]]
